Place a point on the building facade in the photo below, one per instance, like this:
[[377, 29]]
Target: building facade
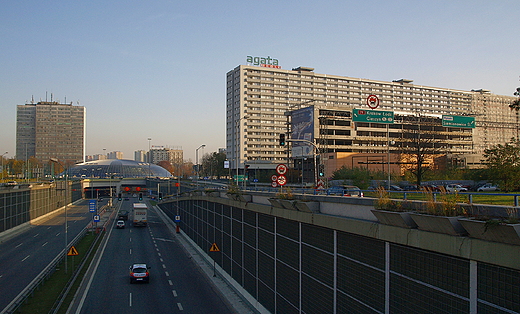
[[260, 99], [50, 130], [158, 154], [115, 155]]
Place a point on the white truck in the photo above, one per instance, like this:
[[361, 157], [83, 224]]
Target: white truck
[[140, 213]]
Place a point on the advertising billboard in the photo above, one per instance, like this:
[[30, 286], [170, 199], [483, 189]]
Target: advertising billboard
[[302, 127]]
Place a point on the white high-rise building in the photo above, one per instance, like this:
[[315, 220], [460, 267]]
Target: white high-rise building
[[259, 99]]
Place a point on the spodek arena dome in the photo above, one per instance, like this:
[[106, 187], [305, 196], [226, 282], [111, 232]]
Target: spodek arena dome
[[118, 168]]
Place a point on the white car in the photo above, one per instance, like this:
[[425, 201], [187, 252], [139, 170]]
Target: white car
[[488, 187], [455, 188]]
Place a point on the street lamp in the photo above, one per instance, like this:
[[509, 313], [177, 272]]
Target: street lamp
[[197, 158], [55, 160], [3, 165], [149, 158]]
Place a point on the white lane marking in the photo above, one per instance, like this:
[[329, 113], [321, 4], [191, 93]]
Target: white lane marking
[[130, 239], [26, 258], [159, 254], [167, 274], [162, 261], [170, 282], [57, 234], [163, 266], [18, 245], [34, 236], [130, 299], [45, 244], [130, 251], [174, 293], [180, 306]]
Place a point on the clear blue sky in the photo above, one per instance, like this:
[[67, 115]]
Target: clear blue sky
[[157, 69]]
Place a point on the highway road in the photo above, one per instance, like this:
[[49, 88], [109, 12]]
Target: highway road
[[176, 282], [24, 255]]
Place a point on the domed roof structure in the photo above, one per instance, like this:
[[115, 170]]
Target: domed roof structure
[[118, 168]]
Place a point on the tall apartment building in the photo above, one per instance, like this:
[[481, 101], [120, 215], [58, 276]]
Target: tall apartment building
[[115, 155], [260, 99], [140, 155], [158, 154], [50, 130]]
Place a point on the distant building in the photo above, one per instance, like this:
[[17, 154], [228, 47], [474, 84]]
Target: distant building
[[140, 155], [115, 155], [50, 130], [160, 153]]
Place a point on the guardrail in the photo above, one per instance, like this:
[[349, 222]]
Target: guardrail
[[311, 191]]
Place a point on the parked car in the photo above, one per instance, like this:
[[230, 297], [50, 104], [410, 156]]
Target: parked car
[[431, 187], [488, 187], [120, 224], [139, 273], [455, 188], [395, 188], [345, 190]]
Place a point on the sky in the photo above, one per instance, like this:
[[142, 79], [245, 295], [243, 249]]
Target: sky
[[157, 69]]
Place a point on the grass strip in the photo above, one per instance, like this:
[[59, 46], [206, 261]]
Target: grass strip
[[46, 294]]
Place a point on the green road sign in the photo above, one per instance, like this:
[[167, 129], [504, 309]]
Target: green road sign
[[372, 116], [458, 122], [240, 177]]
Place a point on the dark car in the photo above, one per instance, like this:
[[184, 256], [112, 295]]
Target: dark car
[[345, 190]]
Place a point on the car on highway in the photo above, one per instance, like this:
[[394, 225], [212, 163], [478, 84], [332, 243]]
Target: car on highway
[[455, 188], [120, 224], [139, 273], [345, 190], [488, 187]]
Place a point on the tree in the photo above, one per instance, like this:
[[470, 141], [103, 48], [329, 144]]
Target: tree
[[166, 165], [503, 164], [418, 147], [212, 165]]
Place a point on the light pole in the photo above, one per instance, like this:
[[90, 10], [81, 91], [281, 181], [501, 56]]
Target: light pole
[[197, 158], [55, 160], [149, 158], [3, 165]]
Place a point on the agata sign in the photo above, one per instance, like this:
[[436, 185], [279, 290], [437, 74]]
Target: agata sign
[[265, 62]]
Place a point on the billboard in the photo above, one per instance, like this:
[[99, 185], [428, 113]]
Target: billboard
[[302, 126]]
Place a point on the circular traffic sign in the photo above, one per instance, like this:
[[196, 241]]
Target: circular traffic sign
[[274, 177], [281, 169], [373, 101], [274, 184], [281, 180]]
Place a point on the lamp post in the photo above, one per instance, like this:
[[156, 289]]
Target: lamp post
[[3, 165], [55, 160], [197, 158], [149, 158]]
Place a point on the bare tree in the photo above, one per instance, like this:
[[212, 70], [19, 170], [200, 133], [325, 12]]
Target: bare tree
[[419, 146]]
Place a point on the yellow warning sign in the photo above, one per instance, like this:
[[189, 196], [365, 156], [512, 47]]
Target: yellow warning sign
[[214, 248], [72, 251]]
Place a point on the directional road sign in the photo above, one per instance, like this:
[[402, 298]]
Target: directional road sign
[[458, 122], [372, 116], [92, 205]]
